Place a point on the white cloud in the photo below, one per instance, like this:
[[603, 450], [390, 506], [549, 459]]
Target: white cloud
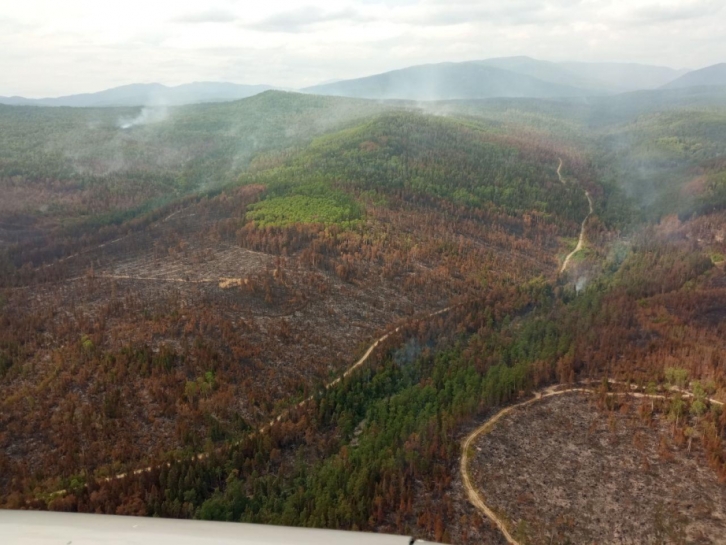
[[50, 48], [206, 16], [307, 17]]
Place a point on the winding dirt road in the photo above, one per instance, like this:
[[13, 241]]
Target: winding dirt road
[[581, 239], [284, 414], [473, 494]]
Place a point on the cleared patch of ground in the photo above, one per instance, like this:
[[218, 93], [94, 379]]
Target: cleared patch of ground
[[468, 525], [564, 471]]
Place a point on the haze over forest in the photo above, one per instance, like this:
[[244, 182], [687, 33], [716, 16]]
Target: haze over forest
[[371, 266], [500, 77]]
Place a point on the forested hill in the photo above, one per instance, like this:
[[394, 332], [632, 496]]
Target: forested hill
[[141, 94], [708, 76], [70, 165], [222, 308], [664, 148], [65, 165], [202, 143], [415, 157], [459, 166], [170, 288]]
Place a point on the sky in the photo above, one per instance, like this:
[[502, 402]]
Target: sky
[[52, 48]]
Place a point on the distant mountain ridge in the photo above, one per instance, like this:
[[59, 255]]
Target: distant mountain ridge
[[504, 77], [624, 77], [711, 75], [143, 94], [448, 81]]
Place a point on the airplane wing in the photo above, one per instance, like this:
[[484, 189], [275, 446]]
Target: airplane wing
[[53, 528]]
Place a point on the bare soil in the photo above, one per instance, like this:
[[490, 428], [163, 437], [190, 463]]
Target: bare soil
[[564, 471]]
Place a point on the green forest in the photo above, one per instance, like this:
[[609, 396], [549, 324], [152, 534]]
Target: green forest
[[420, 157]]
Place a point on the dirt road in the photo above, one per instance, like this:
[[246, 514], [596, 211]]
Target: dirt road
[[284, 414], [581, 239]]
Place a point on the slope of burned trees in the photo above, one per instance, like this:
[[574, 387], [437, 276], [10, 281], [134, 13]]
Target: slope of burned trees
[[381, 449], [189, 326]]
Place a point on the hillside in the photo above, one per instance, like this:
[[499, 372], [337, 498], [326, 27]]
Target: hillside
[[147, 94], [664, 148], [603, 77], [503, 77], [293, 309], [380, 450], [192, 324], [711, 75], [624, 77], [60, 167], [447, 81], [427, 157], [546, 71]]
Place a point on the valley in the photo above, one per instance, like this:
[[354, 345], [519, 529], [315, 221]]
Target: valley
[[295, 309], [223, 309], [581, 237]]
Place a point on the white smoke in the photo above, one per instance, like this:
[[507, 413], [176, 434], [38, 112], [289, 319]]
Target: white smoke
[[148, 114], [581, 283]]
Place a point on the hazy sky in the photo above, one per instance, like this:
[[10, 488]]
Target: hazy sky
[[55, 47]]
